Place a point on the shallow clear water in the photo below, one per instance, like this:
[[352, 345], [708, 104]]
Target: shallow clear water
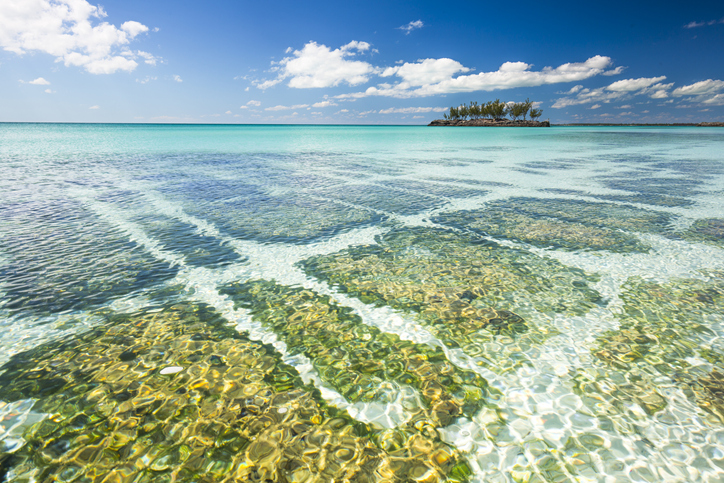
[[300, 303]]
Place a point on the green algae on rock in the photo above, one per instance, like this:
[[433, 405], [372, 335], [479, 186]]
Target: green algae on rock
[[465, 290], [601, 215], [710, 230], [380, 198], [234, 412], [501, 221], [662, 326], [357, 359]]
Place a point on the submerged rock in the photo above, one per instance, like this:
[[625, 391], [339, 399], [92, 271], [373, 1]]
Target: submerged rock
[[709, 230], [465, 290], [514, 221], [359, 360], [234, 412], [663, 327]]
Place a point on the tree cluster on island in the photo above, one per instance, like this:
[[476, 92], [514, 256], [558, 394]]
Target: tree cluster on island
[[496, 110]]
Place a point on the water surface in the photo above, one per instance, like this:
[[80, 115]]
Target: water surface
[[303, 303]]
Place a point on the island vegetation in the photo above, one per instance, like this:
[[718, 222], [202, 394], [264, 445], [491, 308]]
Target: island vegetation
[[495, 110], [492, 113]]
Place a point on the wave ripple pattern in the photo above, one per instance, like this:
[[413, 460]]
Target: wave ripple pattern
[[370, 304]]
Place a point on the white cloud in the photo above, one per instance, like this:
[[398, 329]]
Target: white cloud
[[146, 79], [618, 90], [343, 110], [39, 82], [324, 104], [717, 100], [625, 106], [148, 58], [595, 106], [94, 107], [49, 91], [705, 87], [692, 25], [418, 117], [246, 90], [510, 75], [630, 85], [133, 28], [227, 112], [318, 66], [573, 90], [417, 24], [286, 108], [177, 78], [70, 31], [427, 71], [251, 103], [615, 71], [412, 110]]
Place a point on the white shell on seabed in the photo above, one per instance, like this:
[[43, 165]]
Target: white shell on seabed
[[171, 370]]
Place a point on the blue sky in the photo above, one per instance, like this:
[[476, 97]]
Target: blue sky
[[357, 62]]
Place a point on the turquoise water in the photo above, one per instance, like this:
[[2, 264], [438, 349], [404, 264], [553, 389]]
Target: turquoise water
[[511, 304]]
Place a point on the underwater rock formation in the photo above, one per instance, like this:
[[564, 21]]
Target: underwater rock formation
[[176, 394], [464, 290], [357, 359], [710, 230], [663, 327], [514, 221]]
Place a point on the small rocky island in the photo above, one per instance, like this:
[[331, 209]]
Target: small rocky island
[[489, 123], [493, 114]]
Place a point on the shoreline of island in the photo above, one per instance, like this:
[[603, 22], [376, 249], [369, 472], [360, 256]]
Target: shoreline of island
[[521, 123], [489, 123]]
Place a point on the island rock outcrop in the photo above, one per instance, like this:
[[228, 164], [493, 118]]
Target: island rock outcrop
[[489, 123]]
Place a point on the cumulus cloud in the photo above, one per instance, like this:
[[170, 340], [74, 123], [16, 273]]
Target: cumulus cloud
[[177, 78], [319, 66], [39, 82], [705, 87], [630, 85], [717, 100], [94, 107], [71, 31], [417, 24], [146, 79], [615, 71], [573, 90], [426, 71], [412, 110], [595, 106], [49, 91], [435, 76], [707, 92], [618, 90], [324, 104], [286, 108], [148, 58]]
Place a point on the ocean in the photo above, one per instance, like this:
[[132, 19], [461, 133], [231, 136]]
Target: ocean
[[210, 303]]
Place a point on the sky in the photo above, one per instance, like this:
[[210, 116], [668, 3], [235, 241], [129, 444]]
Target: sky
[[372, 62]]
